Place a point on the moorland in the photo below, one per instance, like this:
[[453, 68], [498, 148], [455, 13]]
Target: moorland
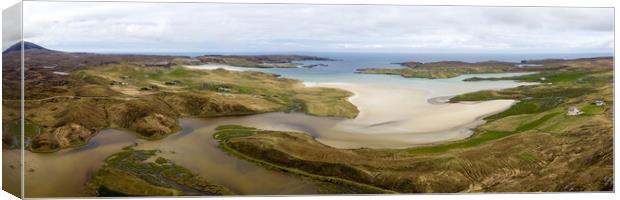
[[558, 136], [71, 96]]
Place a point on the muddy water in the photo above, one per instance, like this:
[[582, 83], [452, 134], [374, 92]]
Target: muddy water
[[198, 151], [64, 173]]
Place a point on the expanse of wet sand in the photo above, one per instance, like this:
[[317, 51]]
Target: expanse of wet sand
[[215, 66], [403, 117], [400, 114]]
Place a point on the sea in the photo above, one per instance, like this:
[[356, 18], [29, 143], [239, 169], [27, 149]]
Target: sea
[[344, 66]]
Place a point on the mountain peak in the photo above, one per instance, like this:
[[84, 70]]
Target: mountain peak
[[27, 45]]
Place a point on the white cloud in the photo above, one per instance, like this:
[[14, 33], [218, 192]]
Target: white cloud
[[204, 27], [11, 32]]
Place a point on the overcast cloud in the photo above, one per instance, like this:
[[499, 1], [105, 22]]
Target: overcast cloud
[[166, 27]]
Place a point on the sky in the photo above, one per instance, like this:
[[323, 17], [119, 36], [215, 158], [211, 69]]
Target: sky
[[202, 27]]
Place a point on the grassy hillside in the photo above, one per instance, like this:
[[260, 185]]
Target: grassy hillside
[[328, 184], [148, 100], [445, 69], [436, 72], [449, 69]]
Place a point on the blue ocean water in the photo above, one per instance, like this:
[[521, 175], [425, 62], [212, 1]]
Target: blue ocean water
[[343, 70]]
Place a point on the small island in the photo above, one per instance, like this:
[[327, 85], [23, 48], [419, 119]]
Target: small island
[[262, 61]]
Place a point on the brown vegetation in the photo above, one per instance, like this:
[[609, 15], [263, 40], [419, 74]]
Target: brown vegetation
[[138, 93]]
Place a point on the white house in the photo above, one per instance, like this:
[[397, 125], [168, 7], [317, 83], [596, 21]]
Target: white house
[[573, 111]]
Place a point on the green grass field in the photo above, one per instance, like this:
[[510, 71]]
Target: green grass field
[[148, 100]]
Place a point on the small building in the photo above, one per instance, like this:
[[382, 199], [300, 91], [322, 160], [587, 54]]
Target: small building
[[573, 111], [600, 103]]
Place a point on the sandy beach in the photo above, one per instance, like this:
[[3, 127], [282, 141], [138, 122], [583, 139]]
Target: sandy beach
[[392, 114], [401, 117], [215, 66], [400, 110]]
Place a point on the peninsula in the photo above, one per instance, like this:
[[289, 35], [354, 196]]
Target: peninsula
[[449, 69]]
